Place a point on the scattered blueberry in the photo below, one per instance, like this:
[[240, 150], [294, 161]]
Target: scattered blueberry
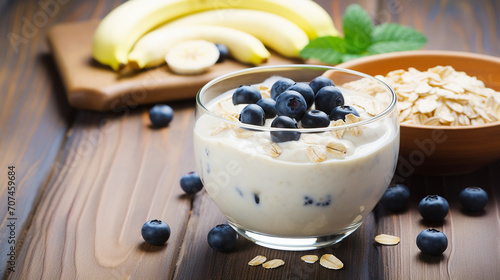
[[340, 112], [256, 198], [432, 241], [155, 232], [280, 86], [292, 104], [223, 52], [473, 199], [222, 238], [319, 82], [246, 95], [315, 118], [308, 200], [283, 136], [324, 202], [305, 90], [433, 208], [191, 182], [240, 192], [396, 197], [161, 115], [252, 114], [328, 98], [269, 106]]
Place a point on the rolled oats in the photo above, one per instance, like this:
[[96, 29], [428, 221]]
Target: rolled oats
[[273, 264], [331, 262], [309, 258], [243, 133], [258, 260], [272, 149], [439, 96], [386, 239], [338, 150], [316, 153]]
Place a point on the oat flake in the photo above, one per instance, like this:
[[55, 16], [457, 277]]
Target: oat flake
[[386, 239], [273, 263], [331, 262], [258, 260]]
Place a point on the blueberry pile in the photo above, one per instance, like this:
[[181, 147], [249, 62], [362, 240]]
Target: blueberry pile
[[291, 102], [432, 208]]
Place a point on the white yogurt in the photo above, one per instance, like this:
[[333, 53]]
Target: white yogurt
[[291, 196]]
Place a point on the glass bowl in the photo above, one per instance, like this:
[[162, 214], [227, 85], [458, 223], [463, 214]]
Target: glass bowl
[[303, 194]]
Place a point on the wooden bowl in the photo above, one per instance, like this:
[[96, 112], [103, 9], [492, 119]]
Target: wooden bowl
[[441, 149]]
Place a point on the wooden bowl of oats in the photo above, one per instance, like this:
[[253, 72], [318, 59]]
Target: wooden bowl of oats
[[449, 106]]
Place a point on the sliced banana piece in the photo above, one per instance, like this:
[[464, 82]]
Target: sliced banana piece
[[192, 57]]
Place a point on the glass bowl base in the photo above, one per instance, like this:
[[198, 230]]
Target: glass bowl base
[[294, 243]]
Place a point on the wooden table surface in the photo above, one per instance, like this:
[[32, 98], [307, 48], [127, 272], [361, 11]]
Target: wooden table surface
[[87, 181]]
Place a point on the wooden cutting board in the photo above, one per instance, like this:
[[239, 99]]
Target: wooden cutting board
[[90, 85]]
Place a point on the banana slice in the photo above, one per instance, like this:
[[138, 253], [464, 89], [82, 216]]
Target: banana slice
[[192, 57]]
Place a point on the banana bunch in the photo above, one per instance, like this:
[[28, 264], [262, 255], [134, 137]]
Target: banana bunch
[[139, 34]]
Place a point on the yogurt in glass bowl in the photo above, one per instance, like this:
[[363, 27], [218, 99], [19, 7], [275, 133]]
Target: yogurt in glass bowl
[[306, 193]]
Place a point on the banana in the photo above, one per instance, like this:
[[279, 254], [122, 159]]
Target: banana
[[192, 57], [121, 28], [150, 51], [277, 32]]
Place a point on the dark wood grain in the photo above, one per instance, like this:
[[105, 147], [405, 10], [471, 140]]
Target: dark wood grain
[[88, 181], [34, 116], [118, 173]]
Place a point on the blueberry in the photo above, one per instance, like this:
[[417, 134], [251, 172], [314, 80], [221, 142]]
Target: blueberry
[[246, 95], [292, 104], [269, 106], [191, 182], [223, 52], [155, 232], [473, 199], [396, 197], [256, 197], [252, 114], [340, 112], [328, 98], [315, 118], [433, 208], [161, 115], [308, 200], [320, 82], [432, 241], [324, 202], [222, 238], [283, 136], [306, 91], [280, 86]]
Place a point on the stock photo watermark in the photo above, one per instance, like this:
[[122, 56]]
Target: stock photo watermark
[[30, 27]]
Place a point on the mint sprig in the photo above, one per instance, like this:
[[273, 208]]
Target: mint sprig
[[362, 38]]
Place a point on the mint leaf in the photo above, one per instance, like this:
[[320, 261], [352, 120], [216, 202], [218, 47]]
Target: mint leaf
[[391, 37], [361, 38], [328, 49], [357, 27]]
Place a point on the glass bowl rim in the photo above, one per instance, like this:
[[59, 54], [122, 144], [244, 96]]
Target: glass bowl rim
[[381, 115]]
